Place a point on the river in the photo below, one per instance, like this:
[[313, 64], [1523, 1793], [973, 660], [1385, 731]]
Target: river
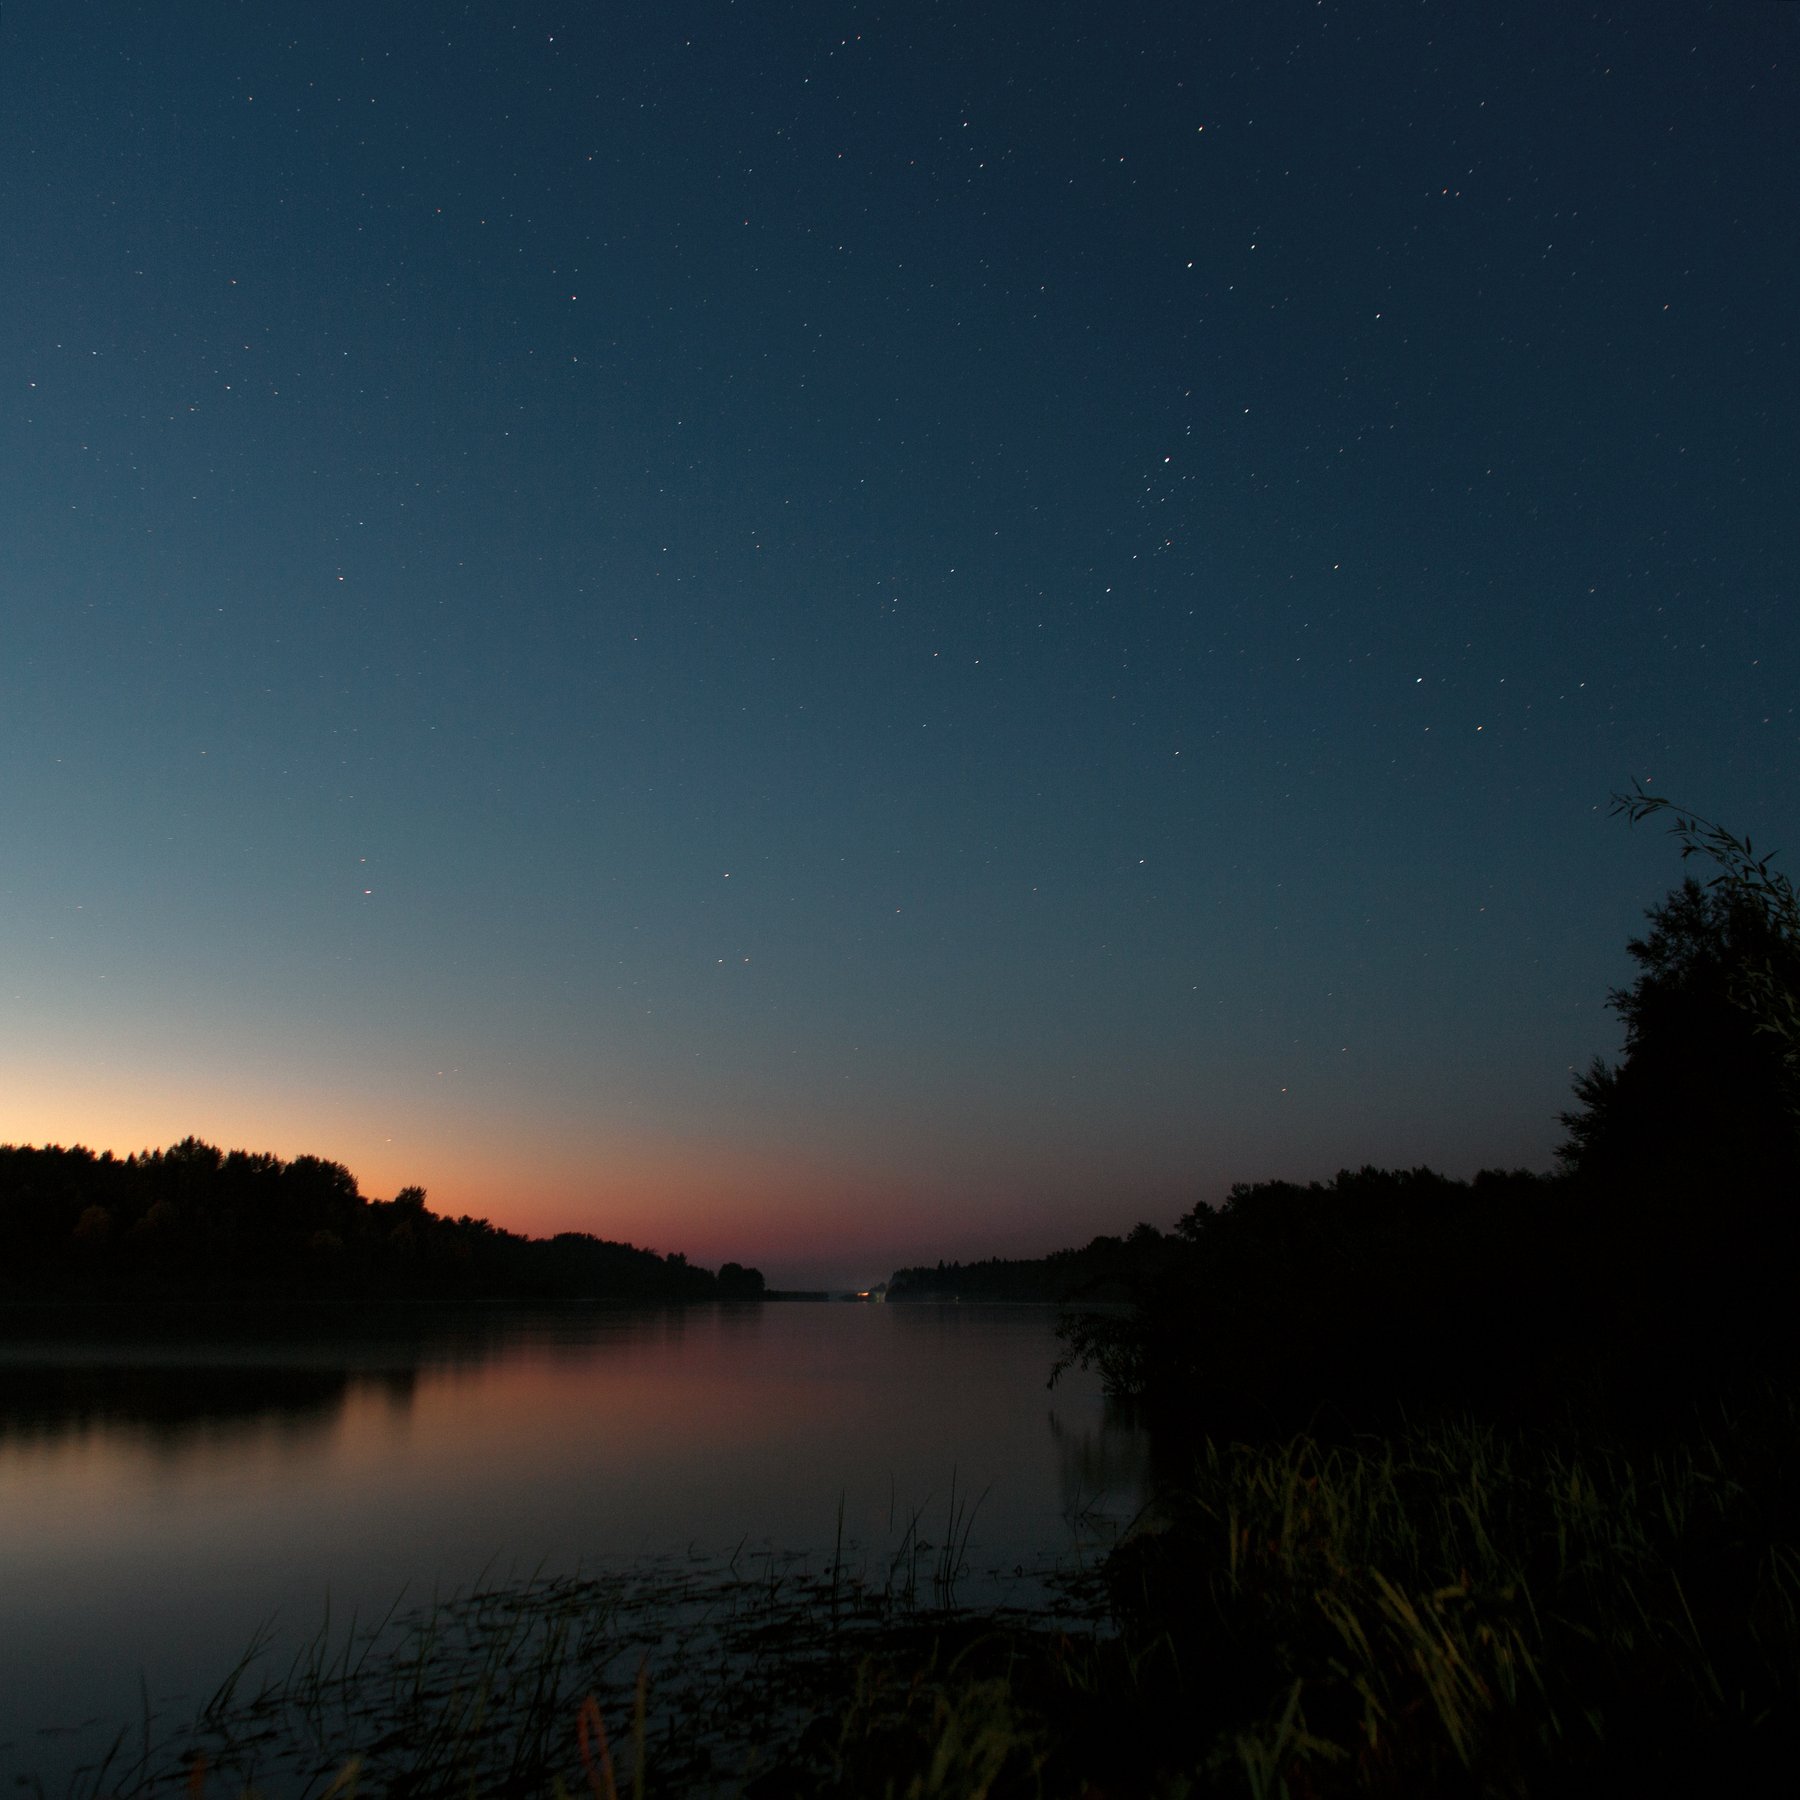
[[166, 1496]]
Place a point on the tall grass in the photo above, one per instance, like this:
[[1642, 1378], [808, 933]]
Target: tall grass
[[749, 1674], [1465, 1609], [1451, 1609]]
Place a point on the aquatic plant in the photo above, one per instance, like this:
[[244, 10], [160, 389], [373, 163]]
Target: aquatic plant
[[1453, 1608]]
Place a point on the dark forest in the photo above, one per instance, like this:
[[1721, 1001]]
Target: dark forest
[[194, 1222]]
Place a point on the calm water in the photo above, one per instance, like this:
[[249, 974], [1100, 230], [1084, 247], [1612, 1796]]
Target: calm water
[[159, 1500]]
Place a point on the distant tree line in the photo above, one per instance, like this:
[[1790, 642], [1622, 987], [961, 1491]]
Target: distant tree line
[[1108, 1268], [195, 1221]]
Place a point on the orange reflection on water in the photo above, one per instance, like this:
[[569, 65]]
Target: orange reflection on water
[[164, 1500]]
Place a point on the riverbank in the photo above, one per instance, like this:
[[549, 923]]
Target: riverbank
[[1455, 1609], [757, 1674]]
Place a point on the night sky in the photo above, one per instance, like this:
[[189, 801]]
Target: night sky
[[833, 635]]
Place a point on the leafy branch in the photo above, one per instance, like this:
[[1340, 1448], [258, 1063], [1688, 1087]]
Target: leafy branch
[[1762, 988]]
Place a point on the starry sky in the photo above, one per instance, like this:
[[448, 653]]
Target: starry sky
[[837, 634]]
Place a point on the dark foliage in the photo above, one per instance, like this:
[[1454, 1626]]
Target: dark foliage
[[1658, 1268], [1699, 1104], [1685, 1156], [738, 1283], [194, 1221], [1464, 1609], [1349, 1301]]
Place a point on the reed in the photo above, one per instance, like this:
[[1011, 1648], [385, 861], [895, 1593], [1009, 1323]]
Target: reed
[[718, 1669], [953, 1552], [1464, 1609], [1450, 1609]]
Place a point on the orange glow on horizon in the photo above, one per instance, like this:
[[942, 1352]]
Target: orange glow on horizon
[[711, 1202], [802, 1214]]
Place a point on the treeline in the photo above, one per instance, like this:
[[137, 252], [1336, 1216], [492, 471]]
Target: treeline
[[1657, 1266], [1378, 1292], [1493, 1487], [1107, 1268], [194, 1221]]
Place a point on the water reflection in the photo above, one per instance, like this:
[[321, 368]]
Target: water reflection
[[216, 1373], [165, 1495], [1103, 1469], [171, 1406]]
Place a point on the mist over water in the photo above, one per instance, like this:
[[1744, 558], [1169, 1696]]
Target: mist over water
[[164, 1500]]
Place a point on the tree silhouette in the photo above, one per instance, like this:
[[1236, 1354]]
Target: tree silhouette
[[1686, 1153], [196, 1222], [1764, 980], [1706, 1097]]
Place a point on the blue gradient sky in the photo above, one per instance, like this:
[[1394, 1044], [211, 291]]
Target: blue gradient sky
[[839, 634]]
